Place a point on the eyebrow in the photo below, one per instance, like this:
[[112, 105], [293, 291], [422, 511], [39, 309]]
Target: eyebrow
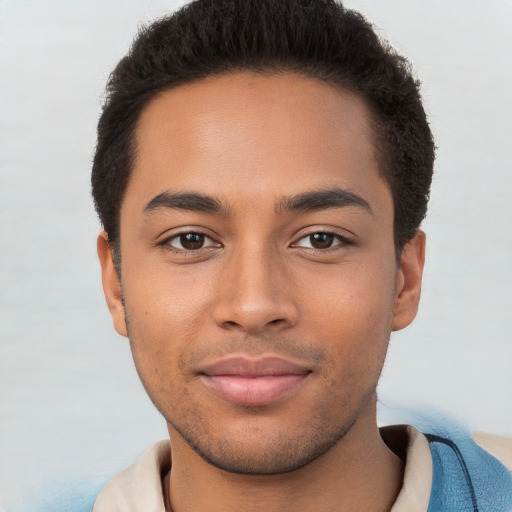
[[305, 202], [189, 201], [322, 200]]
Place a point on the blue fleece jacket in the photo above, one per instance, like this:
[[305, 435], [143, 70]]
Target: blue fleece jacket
[[466, 478]]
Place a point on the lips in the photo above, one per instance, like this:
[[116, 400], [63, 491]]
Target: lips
[[247, 381]]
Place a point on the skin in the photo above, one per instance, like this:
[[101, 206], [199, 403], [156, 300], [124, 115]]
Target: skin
[[257, 286]]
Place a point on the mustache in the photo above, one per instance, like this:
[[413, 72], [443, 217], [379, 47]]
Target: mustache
[[254, 346], [251, 346]]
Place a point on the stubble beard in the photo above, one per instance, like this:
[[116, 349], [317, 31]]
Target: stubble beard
[[282, 453]]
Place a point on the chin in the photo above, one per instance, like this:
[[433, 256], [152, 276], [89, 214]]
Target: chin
[[264, 453]]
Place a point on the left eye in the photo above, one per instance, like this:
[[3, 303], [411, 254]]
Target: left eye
[[190, 241], [320, 240]]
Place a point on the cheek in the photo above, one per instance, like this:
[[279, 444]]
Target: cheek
[[168, 316], [166, 304], [353, 315], [160, 327], [355, 298]]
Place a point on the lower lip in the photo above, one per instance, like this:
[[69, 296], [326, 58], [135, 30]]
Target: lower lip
[[260, 390]]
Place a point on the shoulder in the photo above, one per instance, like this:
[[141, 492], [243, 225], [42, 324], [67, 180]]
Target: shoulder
[[139, 487], [136, 489], [498, 446], [465, 475], [448, 468]]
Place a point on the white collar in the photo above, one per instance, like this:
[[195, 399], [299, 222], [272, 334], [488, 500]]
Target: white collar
[[139, 487]]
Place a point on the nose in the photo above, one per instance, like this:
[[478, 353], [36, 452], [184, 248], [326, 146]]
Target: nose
[[255, 294]]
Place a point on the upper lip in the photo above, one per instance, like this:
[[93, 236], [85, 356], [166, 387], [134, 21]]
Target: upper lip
[[243, 366]]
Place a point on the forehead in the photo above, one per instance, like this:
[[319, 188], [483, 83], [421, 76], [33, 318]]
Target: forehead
[[249, 133]]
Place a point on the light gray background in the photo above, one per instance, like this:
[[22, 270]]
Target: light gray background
[[72, 408]]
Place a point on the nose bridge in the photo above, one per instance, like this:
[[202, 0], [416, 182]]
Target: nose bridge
[[254, 296]]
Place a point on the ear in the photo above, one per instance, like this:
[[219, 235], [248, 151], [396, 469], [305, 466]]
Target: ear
[[111, 285], [408, 282]]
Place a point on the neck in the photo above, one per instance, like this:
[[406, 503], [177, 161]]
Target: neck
[[359, 473]]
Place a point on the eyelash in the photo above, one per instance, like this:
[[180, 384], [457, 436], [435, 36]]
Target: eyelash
[[344, 241]]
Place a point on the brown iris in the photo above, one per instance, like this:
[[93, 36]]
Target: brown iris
[[321, 240], [192, 241]]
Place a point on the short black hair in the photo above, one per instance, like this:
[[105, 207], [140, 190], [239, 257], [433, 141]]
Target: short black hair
[[315, 38]]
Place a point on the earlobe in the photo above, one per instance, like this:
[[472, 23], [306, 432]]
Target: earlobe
[[408, 285], [111, 284]]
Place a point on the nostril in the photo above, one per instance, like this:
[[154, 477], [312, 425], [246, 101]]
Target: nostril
[[229, 324], [253, 315]]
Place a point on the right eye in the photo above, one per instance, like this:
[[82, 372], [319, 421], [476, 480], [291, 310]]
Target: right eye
[[190, 241]]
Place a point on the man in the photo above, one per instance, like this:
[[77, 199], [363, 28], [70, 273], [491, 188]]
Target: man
[[261, 173]]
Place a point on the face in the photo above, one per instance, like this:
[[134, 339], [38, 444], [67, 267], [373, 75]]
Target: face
[[258, 270]]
